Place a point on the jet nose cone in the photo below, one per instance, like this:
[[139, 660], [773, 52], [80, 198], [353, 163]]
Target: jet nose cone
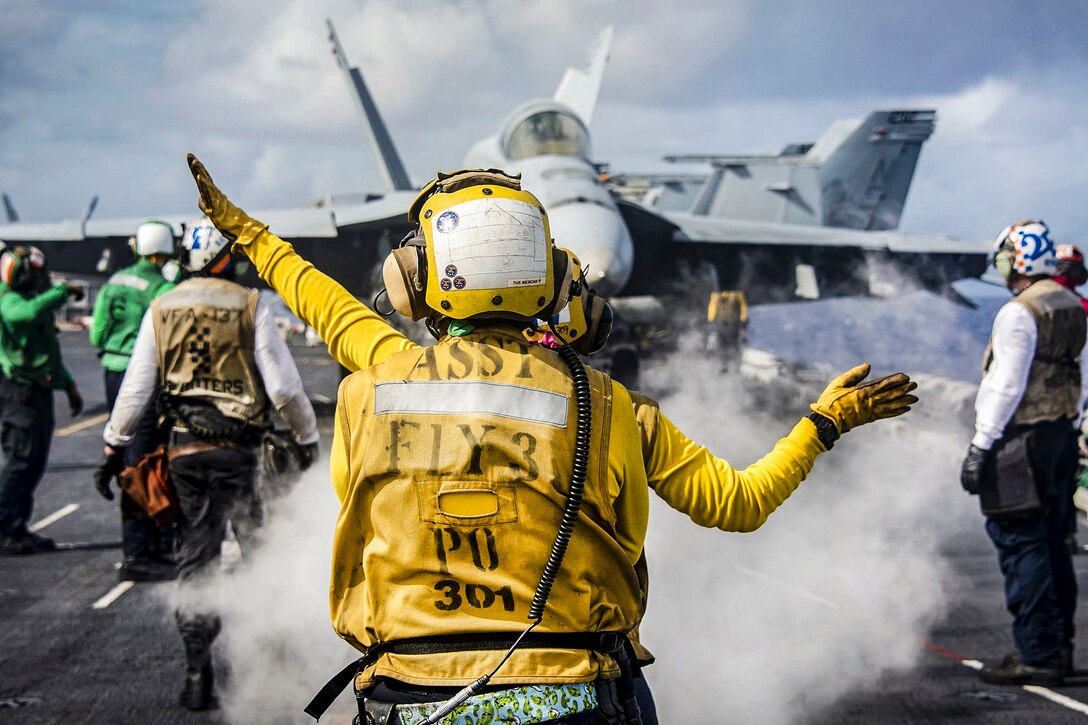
[[599, 237], [605, 274]]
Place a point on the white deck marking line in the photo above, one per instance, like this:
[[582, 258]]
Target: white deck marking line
[[1043, 692], [54, 517], [78, 426], [112, 595], [787, 587], [1056, 698]]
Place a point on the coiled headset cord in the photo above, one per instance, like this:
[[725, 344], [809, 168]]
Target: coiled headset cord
[[566, 524], [577, 480]]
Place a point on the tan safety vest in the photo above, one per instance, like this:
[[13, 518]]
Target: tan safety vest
[[204, 332], [459, 459], [1053, 390]]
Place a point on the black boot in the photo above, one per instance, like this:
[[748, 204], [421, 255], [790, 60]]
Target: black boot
[[198, 689], [146, 569]]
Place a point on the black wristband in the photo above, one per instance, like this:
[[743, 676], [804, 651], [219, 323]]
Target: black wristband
[[825, 429]]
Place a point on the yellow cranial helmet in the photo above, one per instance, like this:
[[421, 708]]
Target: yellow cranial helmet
[[483, 248], [584, 323]]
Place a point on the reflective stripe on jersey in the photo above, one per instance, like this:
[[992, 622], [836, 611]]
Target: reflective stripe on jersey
[[129, 280], [471, 397]]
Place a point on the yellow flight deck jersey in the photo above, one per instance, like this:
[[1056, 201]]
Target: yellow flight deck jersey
[[686, 475], [683, 473], [454, 462]]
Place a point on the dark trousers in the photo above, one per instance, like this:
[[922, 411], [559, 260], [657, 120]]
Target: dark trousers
[[26, 431], [1040, 587], [212, 487], [141, 537]]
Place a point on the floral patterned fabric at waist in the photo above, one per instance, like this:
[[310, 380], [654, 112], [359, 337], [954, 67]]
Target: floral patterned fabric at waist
[[526, 704]]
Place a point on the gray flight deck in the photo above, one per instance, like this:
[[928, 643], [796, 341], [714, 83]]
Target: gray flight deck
[[64, 661]]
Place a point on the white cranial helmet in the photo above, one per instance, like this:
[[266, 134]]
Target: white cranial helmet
[[1025, 248], [202, 245], [153, 237]]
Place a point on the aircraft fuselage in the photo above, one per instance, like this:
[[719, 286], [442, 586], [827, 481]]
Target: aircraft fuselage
[[549, 145]]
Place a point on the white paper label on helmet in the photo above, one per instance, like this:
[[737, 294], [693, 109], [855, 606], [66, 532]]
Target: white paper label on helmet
[[490, 244], [525, 282]]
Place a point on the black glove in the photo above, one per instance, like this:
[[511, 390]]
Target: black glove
[[974, 468], [307, 454], [75, 400], [75, 291], [113, 464]]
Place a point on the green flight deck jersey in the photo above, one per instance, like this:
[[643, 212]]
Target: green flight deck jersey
[[29, 348], [120, 308]]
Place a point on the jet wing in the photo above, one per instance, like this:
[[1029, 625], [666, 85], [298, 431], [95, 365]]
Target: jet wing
[[775, 262], [699, 229], [319, 222], [325, 233], [43, 231], [390, 210], [288, 223]]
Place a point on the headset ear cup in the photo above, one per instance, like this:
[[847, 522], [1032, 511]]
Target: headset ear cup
[[562, 274], [405, 283], [16, 268], [598, 323], [9, 265]]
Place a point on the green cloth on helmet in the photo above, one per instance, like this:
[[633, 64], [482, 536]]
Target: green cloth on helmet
[[460, 328]]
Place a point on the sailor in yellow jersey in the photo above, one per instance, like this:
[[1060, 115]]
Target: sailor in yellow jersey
[[686, 475]]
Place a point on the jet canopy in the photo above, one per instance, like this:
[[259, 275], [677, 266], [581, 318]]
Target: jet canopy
[[545, 130]]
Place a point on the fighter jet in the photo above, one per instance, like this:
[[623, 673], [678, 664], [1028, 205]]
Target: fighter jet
[[802, 223], [812, 221]]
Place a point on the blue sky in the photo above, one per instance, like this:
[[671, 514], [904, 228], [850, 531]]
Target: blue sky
[[108, 99]]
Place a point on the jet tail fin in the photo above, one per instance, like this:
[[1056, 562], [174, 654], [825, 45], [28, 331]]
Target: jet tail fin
[[9, 210], [579, 88], [866, 167], [389, 163]]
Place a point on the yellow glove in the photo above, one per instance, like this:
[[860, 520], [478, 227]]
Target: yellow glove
[[848, 404], [234, 223]]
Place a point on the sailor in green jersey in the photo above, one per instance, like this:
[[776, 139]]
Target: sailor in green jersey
[[30, 370], [118, 311]]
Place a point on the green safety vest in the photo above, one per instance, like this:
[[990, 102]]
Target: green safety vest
[[120, 309], [29, 349]]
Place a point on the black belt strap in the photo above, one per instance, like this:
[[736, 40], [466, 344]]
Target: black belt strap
[[332, 689], [604, 642], [1067, 361]]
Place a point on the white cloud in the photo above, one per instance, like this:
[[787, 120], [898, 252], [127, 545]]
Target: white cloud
[[1005, 150], [239, 86]]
